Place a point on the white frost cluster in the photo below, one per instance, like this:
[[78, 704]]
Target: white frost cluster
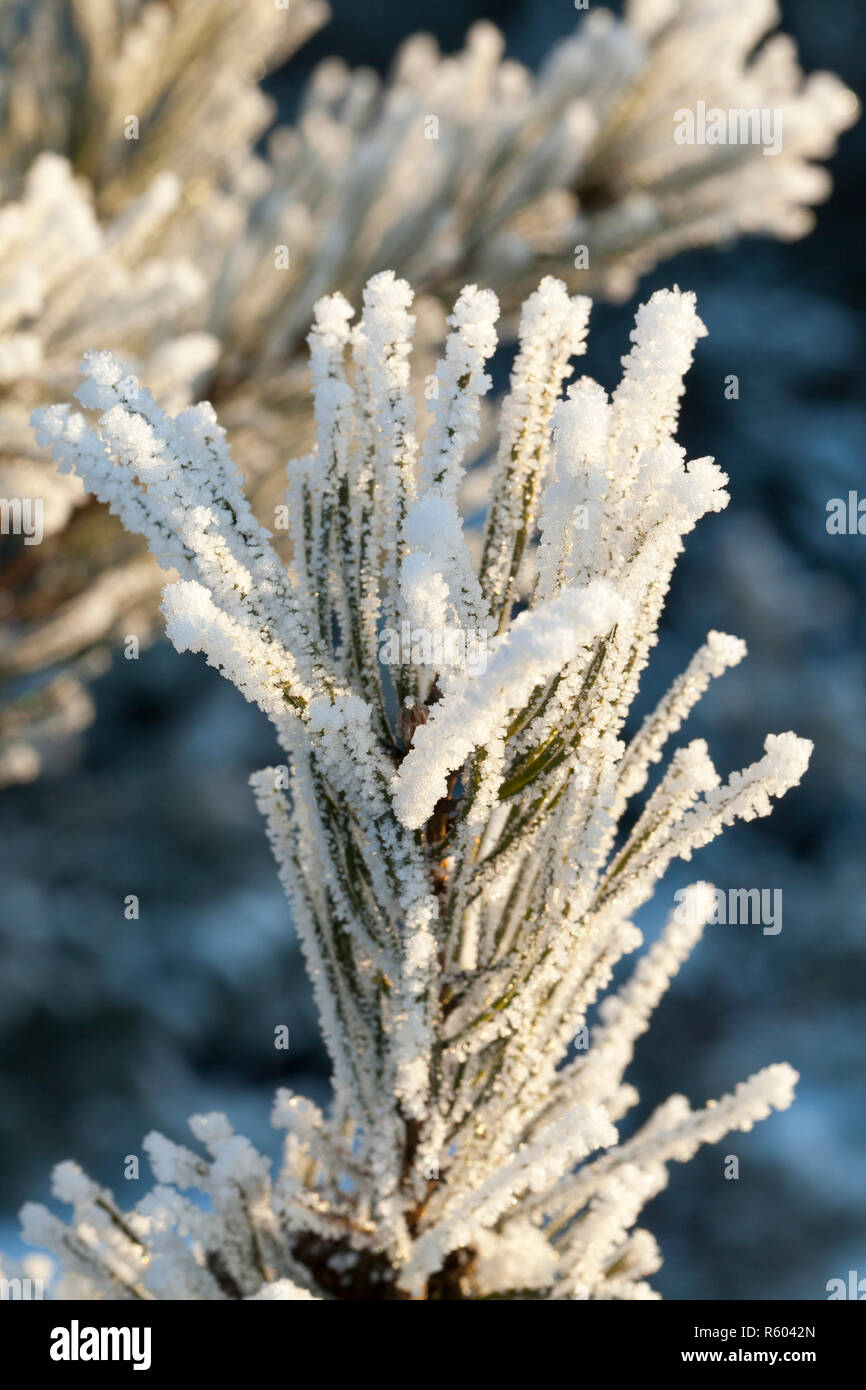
[[469, 167], [66, 275], [73, 71], [448, 841]]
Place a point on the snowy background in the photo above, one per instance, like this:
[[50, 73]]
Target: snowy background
[[109, 1027]]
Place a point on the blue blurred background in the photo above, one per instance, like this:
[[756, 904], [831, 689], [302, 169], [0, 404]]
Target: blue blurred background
[[111, 1027]]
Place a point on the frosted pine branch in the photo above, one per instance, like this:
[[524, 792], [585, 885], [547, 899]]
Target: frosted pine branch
[[199, 261], [448, 836]]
